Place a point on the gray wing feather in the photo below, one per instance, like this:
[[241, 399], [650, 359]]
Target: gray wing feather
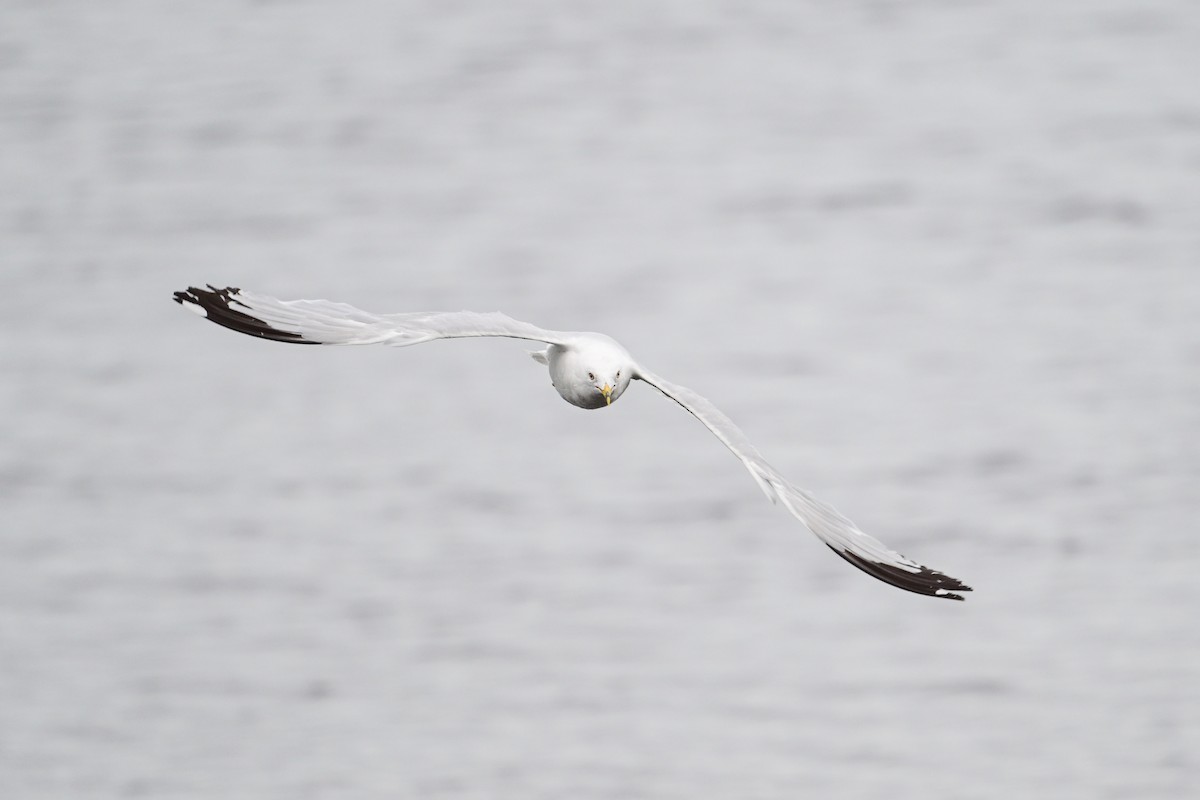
[[325, 322], [835, 530]]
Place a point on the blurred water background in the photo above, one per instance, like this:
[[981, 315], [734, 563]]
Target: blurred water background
[[938, 259]]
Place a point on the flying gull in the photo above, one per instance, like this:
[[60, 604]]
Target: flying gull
[[589, 370]]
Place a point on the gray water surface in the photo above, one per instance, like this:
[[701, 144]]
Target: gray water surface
[[939, 260]]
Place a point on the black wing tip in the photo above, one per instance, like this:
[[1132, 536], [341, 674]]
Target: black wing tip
[[215, 303], [925, 581]]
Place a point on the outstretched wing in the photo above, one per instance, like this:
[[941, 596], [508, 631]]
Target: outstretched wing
[[323, 322], [843, 536]]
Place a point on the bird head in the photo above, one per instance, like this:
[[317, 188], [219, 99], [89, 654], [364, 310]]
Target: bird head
[[608, 382], [592, 372]]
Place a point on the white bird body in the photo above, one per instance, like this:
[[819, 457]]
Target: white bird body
[[588, 370]]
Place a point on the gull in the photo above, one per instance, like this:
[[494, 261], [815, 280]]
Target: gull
[[589, 370]]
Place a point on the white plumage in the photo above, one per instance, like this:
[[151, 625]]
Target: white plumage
[[589, 370]]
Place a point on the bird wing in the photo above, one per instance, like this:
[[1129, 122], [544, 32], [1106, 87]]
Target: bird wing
[[840, 534], [323, 322]]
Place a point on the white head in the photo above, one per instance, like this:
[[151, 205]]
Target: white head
[[592, 374], [606, 382]]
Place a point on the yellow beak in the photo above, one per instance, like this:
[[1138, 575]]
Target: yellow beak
[[607, 392]]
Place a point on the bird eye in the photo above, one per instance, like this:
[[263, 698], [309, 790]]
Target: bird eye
[[591, 376], [618, 374]]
